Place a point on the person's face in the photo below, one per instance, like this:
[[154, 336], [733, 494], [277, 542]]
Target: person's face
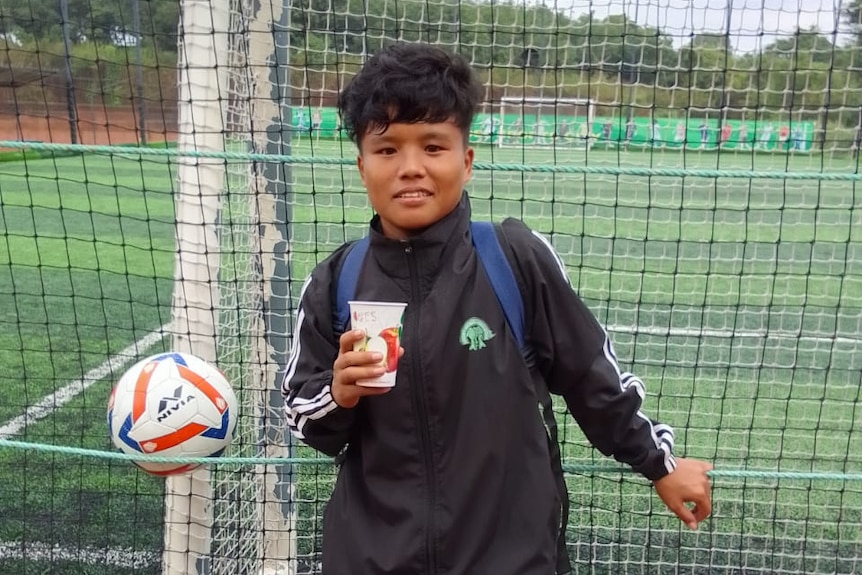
[[414, 174]]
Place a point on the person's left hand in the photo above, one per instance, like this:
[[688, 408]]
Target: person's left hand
[[687, 484]]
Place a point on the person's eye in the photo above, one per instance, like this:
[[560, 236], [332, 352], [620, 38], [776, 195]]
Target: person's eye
[[386, 151], [433, 148]]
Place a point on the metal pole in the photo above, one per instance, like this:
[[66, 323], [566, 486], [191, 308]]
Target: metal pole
[[282, 281], [630, 69], [727, 49], [827, 96], [139, 73], [71, 106], [278, 179]]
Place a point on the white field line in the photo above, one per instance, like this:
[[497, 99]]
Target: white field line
[[117, 557], [731, 333], [34, 551], [50, 403]]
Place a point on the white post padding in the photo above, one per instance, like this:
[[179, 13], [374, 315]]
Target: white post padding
[[203, 50]]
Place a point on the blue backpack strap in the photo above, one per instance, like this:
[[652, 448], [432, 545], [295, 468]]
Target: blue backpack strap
[[502, 277], [499, 272], [345, 288]]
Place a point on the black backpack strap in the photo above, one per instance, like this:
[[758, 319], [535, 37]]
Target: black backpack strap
[[547, 406]]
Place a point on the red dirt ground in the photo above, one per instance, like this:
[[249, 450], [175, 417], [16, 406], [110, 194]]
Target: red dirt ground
[[95, 125]]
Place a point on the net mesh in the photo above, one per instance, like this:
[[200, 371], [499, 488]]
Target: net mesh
[[736, 298]]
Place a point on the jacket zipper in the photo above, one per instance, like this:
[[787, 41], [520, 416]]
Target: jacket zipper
[[421, 408]]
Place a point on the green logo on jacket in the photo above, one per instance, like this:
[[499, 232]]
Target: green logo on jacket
[[474, 334]]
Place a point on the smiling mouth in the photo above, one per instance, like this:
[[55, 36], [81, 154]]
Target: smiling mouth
[[413, 194]]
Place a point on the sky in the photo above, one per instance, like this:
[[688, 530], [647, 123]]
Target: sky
[[754, 23]]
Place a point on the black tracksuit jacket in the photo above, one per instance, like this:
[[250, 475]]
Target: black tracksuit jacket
[[450, 472]]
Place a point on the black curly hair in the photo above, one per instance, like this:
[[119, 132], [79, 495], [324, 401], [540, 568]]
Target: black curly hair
[[410, 83]]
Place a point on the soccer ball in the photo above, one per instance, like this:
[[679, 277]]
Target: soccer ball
[[172, 405]]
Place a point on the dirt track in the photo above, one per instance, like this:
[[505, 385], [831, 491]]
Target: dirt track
[[95, 125]]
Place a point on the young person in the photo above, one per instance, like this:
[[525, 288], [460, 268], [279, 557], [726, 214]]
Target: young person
[[451, 470]]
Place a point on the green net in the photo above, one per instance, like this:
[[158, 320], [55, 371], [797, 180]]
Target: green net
[[694, 165]]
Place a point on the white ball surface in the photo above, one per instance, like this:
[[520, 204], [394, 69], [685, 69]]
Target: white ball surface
[[172, 405]]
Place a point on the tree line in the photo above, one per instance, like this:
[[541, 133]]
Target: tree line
[[518, 49]]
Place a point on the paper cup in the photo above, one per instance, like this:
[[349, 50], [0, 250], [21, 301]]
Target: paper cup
[[381, 322]]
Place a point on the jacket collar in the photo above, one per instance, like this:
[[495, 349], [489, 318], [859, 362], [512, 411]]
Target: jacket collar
[[429, 248]]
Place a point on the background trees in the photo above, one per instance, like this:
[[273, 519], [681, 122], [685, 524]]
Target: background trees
[[518, 48]]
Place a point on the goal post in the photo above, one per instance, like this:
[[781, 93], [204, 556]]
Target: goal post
[[232, 276], [189, 497]]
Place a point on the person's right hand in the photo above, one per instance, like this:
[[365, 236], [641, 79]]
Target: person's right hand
[[351, 366], [686, 491]]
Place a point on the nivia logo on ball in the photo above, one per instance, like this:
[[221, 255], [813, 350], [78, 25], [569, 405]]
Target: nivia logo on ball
[[170, 405]]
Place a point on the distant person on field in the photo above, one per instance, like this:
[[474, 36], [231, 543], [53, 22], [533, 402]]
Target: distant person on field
[[742, 139], [726, 133], [630, 130], [783, 136], [300, 123], [764, 139], [796, 136], [518, 130], [679, 134], [704, 134], [584, 131], [656, 138], [539, 131], [562, 131], [606, 131]]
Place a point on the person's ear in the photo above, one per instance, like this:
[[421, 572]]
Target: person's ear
[[469, 154], [361, 167]]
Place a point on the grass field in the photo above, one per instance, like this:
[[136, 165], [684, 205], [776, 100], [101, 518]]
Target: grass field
[[738, 301]]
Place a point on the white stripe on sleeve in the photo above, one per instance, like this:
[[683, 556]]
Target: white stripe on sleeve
[[554, 254], [301, 410], [297, 341], [662, 434]]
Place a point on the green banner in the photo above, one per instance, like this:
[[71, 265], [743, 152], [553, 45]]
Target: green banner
[[575, 131], [315, 123], [702, 134]]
